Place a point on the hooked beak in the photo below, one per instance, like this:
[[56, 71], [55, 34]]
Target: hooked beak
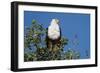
[[57, 21]]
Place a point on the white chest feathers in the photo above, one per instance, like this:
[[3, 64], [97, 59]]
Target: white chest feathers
[[53, 31]]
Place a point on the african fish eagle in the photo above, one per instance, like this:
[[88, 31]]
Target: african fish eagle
[[53, 33]]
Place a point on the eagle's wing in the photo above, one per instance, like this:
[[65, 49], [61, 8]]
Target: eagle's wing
[[47, 39], [60, 32]]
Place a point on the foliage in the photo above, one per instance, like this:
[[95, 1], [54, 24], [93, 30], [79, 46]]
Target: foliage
[[71, 54], [35, 38], [30, 57]]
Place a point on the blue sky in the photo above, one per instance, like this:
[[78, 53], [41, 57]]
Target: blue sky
[[74, 26]]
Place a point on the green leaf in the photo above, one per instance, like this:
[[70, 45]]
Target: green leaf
[[33, 21]]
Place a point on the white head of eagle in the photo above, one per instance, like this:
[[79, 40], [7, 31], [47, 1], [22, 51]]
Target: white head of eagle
[[53, 34], [54, 30]]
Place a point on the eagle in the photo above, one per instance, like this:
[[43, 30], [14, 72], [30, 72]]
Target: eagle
[[53, 35]]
